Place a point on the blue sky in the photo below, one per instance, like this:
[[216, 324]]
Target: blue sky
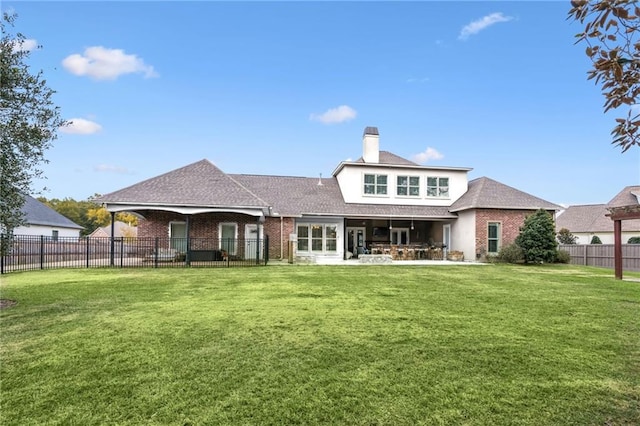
[[287, 88]]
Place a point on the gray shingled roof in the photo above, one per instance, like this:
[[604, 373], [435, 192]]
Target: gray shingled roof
[[485, 193], [202, 184], [386, 157], [37, 213], [592, 217], [302, 195], [627, 197], [585, 218], [197, 184]]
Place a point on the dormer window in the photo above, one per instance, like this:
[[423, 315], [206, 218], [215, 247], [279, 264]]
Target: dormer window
[[408, 186], [375, 184], [437, 186]]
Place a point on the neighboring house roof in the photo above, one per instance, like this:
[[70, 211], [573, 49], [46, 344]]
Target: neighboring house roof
[[629, 196], [585, 218], [485, 193], [592, 217], [197, 184], [121, 229], [37, 213]]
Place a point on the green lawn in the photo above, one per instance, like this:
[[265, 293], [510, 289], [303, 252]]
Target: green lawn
[[366, 345]]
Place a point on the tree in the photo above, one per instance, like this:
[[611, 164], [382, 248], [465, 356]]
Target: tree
[[634, 240], [88, 214], [595, 240], [537, 238], [613, 45], [566, 237], [28, 124]]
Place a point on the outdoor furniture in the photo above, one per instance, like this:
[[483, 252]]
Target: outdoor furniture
[[163, 255]]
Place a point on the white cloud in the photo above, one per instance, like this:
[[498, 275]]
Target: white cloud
[[101, 63], [478, 25], [27, 45], [108, 168], [335, 115], [427, 155], [80, 126]]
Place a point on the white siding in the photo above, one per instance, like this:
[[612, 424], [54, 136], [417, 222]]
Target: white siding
[[463, 234], [46, 231], [338, 222], [605, 237], [351, 181]]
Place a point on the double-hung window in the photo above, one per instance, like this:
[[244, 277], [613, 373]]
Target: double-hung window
[[375, 184], [408, 186], [493, 237], [437, 186]]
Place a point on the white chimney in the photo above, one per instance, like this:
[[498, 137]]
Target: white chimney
[[371, 145]]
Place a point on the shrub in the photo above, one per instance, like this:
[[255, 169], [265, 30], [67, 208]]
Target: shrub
[[566, 237], [595, 240], [510, 254], [563, 256], [634, 240], [537, 238]]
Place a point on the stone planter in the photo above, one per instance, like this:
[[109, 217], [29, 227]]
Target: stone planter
[[456, 256]]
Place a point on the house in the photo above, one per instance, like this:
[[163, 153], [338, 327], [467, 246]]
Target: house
[[121, 230], [379, 200], [587, 221], [43, 220]]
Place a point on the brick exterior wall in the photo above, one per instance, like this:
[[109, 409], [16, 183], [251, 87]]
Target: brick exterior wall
[[511, 221], [156, 224]]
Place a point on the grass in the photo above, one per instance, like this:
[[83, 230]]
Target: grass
[[367, 345]]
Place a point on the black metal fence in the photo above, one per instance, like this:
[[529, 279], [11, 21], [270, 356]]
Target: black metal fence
[[25, 252]]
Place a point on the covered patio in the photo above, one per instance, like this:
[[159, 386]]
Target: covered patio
[[413, 238]]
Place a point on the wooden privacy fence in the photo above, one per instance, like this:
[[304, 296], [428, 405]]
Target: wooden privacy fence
[[24, 252], [602, 255]]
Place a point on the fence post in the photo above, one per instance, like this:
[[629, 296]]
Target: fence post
[[88, 251], [155, 256], [266, 249], [41, 251], [585, 257], [121, 252]]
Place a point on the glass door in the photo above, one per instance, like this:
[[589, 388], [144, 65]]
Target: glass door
[[356, 240], [178, 236], [400, 236]]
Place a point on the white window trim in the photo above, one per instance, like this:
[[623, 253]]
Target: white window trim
[[440, 197], [419, 195], [499, 237], [364, 194], [175, 222], [310, 238]]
